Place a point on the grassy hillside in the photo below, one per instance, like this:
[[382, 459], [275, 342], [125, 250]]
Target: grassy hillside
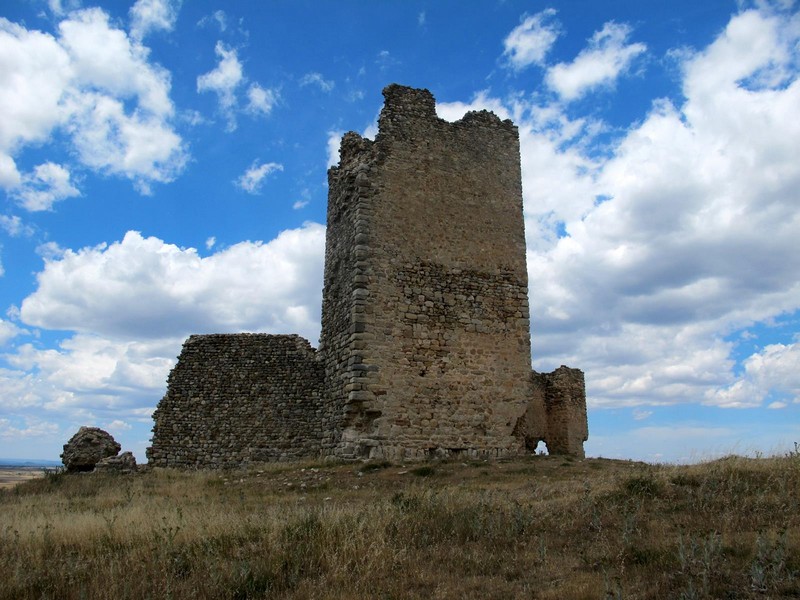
[[541, 527]]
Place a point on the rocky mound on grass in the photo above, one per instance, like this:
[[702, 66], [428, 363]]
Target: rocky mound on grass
[[88, 447]]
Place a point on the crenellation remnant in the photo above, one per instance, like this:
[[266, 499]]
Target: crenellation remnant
[[425, 343]]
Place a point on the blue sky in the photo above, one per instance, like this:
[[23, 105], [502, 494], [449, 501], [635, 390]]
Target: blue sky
[[163, 173]]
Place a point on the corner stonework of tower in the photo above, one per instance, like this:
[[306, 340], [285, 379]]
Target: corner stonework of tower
[[425, 344]]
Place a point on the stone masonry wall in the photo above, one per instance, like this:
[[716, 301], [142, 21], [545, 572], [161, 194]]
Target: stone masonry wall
[[432, 288], [425, 343], [347, 271], [238, 399], [565, 426]]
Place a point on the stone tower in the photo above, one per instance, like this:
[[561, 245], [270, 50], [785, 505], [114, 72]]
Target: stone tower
[[425, 324], [425, 345]]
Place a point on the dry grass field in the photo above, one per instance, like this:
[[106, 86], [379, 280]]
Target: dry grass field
[[11, 476], [539, 527]]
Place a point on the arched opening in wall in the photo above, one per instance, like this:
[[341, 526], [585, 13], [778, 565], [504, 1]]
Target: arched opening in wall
[[541, 449]]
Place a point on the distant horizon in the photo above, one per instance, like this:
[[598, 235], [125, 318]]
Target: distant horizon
[[36, 462], [32, 462]]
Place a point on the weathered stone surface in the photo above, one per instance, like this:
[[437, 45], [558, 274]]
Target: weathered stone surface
[[88, 447], [425, 343], [557, 413], [123, 463], [239, 399], [425, 320]]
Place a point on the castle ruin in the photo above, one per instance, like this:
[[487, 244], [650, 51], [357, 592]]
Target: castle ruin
[[425, 345]]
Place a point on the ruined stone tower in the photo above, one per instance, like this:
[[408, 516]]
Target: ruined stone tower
[[425, 344], [425, 329]]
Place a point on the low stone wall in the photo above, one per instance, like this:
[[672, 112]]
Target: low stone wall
[[238, 399]]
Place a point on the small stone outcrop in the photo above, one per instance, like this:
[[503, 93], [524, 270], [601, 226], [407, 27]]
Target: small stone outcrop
[[238, 399], [88, 447], [123, 463]]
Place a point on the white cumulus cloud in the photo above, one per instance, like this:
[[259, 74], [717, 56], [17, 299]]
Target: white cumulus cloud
[[260, 100], [47, 184], [531, 40], [8, 331], [252, 179], [607, 56], [218, 18], [35, 72], [143, 288], [226, 79], [96, 83], [9, 175], [153, 15], [105, 57], [223, 81], [326, 85], [31, 428], [96, 366], [773, 370], [695, 204], [118, 425], [14, 226]]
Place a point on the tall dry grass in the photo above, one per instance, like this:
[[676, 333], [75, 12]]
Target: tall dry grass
[[540, 527]]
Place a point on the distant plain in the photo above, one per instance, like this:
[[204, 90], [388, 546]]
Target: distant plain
[[11, 476]]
